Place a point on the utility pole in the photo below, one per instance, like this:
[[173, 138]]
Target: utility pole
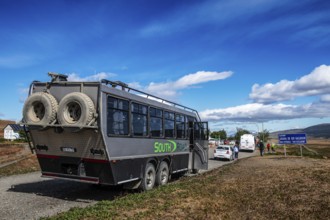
[[263, 132]]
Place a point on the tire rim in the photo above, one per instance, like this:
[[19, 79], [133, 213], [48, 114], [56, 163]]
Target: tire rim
[[38, 111], [150, 178], [163, 176], [72, 113]]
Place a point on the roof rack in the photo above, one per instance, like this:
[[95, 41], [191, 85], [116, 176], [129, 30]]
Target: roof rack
[[56, 77], [124, 86]]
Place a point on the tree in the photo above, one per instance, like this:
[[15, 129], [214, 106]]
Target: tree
[[263, 135], [240, 132], [22, 135], [222, 134]]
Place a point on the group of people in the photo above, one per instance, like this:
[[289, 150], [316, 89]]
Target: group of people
[[270, 148], [262, 147]]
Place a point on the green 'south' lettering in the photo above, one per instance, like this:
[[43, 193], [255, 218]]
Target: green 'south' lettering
[[167, 147]]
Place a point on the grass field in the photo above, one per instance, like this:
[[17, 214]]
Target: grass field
[[26, 162], [316, 148], [271, 187]]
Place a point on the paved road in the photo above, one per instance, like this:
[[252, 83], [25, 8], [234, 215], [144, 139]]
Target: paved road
[[218, 163], [29, 196]]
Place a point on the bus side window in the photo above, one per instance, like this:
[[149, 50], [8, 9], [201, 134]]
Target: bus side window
[[169, 124], [197, 131], [117, 116], [139, 119], [156, 122], [180, 126]]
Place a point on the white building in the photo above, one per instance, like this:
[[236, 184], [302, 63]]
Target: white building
[[11, 131]]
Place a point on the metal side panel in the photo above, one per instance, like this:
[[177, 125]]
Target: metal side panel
[[125, 148], [86, 143]]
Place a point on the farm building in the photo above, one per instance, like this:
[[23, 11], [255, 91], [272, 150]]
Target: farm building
[[11, 131]]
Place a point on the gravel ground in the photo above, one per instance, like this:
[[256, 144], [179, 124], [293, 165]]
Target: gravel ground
[[29, 196]]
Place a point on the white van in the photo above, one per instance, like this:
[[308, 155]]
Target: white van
[[247, 142]]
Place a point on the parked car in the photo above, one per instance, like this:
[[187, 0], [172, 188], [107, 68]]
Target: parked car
[[214, 142], [224, 152]]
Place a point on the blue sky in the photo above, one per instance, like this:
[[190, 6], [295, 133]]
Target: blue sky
[[239, 63]]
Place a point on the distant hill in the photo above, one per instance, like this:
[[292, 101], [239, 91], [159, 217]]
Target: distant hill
[[3, 124], [316, 131]]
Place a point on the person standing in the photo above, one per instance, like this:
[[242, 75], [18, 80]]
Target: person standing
[[268, 147], [273, 147], [261, 148], [236, 150]]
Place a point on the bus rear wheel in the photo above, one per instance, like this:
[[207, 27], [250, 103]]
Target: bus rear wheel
[[149, 178], [162, 176]]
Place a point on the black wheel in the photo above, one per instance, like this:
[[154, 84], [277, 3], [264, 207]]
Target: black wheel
[[149, 179], [40, 108], [76, 109], [162, 176]]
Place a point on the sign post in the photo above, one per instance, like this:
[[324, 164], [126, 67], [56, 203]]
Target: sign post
[[292, 139]]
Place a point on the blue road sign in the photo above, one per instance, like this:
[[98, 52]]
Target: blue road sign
[[292, 139]]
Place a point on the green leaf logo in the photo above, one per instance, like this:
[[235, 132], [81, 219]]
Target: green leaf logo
[[174, 145]]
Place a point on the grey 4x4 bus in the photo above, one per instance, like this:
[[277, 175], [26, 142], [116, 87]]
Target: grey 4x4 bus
[[109, 133]]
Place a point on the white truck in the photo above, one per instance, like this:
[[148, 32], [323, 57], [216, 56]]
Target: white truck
[[247, 142]]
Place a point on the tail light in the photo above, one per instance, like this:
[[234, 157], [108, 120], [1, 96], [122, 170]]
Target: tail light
[[227, 152], [215, 151]]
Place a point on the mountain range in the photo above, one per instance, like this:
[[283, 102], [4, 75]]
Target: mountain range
[[315, 131]]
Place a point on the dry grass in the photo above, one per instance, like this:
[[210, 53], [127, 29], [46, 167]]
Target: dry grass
[[271, 187], [255, 188], [26, 162]]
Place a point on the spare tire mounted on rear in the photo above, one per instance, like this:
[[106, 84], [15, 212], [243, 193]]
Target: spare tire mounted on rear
[[40, 108], [76, 109]]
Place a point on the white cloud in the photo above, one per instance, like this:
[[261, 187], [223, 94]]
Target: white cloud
[[170, 89], [96, 77], [325, 98], [315, 83], [257, 112]]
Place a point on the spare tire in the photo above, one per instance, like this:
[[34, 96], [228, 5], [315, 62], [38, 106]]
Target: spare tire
[[76, 108], [40, 108]]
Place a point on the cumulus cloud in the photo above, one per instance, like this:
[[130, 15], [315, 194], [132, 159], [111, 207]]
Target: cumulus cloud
[[325, 98], [170, 89], [96, 77], [258, 112], [315, 83]]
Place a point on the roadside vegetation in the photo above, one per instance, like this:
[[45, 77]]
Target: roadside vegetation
[[254, 188], [16, 158], [267, 187]]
